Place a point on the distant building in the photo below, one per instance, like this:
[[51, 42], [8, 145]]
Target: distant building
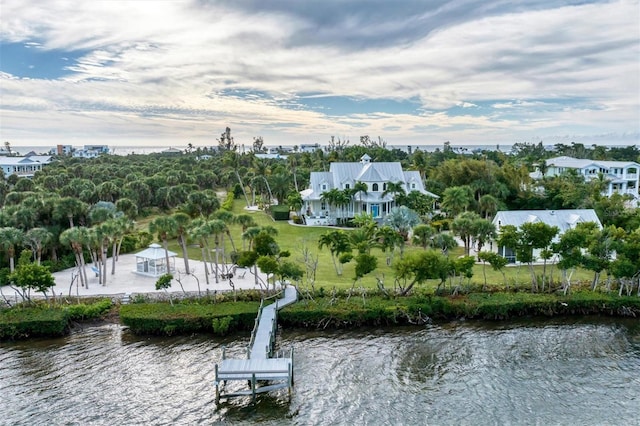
[[172, 151], [23, 166], [563, 219], [64, 149], [622, 177], [91, 151], [309, 147], [102, 149]]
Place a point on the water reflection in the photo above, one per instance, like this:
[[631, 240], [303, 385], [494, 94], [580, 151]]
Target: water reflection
[[576, 372]]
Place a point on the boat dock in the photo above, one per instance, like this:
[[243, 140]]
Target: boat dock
[[262, 363]]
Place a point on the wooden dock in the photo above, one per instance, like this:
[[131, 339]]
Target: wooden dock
[[263, 364]]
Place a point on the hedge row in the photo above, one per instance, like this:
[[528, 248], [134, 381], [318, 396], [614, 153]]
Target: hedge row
[[187, 318], [375, 310], [47, 321]]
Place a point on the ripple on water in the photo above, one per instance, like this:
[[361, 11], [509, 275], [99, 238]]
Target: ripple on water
[[457, 373]]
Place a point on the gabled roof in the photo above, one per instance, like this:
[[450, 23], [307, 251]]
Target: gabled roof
[[369, 173], [342, 172], [579, 163], [563, 219]]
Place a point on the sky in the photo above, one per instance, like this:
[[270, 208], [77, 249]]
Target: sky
[[173, 72]]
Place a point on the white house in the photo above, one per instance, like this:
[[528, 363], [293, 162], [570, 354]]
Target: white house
[[309, 147], [563, 219], [23, 166], [622, 177], [344, 176]]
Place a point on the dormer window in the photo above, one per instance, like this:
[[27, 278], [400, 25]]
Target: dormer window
[[413, 186], [324, 186], [374, 187], [347, 186]]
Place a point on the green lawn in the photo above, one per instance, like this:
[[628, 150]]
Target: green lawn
[[296, 238]]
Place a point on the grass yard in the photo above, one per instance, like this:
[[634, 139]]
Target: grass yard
[[296, 238]]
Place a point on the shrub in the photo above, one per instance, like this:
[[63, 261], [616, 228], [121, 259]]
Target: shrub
[[280, 212], [187, 318], [221, 325], [22, 323], [82, 311]]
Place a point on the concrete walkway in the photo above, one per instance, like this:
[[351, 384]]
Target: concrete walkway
[[126, 281]]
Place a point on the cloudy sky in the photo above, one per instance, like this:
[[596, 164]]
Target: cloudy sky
[[174, 72]]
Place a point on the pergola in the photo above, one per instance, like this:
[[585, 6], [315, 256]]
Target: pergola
[[152, 261]]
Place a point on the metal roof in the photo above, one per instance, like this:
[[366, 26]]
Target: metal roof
[[155, 251], [579, 163], [563, 219]]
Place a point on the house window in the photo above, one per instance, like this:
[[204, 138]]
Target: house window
[[413, 186], [324, 186], [323, 206], [384, 186], [347, 186], [374, 187]]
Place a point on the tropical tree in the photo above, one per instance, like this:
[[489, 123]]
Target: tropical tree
[[444, 242], [497, 262], [182, 221], [456, 199], [164, 227], [388, 239], [36, 239], [69, 208], [402, 219], [10, 238], [464, 227], [31, 276], [76, 238], [422, 235], [338, 243], [417, 267]]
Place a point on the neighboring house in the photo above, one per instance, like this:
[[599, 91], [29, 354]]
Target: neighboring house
[[23, 166], [622, 177], [91, 151], [563, 219], [344, 176], [172, 151], [309, 147]]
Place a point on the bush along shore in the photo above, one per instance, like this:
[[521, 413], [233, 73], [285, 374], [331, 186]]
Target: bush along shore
[[224, 314], [42, 319]]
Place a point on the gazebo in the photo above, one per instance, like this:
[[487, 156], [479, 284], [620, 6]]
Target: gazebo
[[152, 261]]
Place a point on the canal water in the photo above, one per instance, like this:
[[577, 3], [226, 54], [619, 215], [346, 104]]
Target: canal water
[[569, 372]]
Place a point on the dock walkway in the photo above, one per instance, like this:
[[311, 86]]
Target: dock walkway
[[261, 364]]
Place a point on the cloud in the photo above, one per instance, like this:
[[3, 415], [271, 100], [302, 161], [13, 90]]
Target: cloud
[[188, 69]]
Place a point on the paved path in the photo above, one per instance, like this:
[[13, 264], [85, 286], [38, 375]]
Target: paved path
[[126, 281]]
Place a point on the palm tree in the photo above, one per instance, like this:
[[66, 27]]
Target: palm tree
[[182, 221], [488, 205], [422, 235], [217, 228], [68, 208], [228, 218], [9, 238], [200, 234], [456, 199], [396, 189], [164, 226], [331, 198], [444, 242], [388, 240], [37, 239], [249, 235], [359, 188], [463, 227], [76, 237], [338, 243], [245, 221]]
